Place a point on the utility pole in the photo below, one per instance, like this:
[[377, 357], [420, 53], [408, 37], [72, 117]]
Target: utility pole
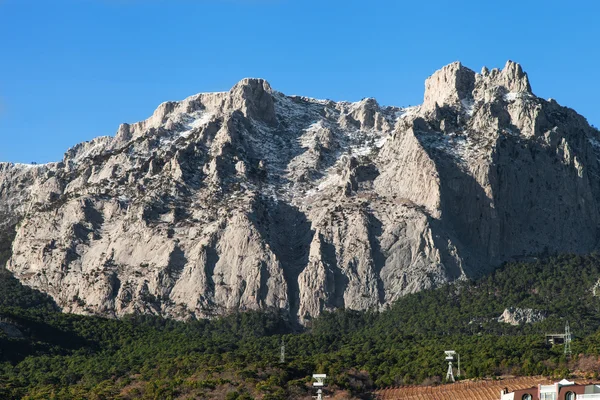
[[450, 357], [282, 353], [567, 340]]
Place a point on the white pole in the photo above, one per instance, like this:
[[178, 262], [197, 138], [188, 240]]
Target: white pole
[[449, 374]]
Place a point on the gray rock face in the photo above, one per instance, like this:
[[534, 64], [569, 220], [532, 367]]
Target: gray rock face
[[251, 199], [10, 330], [517, 316], [449, 86]]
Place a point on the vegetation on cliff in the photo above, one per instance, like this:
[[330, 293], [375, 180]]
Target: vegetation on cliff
[[63, 356]]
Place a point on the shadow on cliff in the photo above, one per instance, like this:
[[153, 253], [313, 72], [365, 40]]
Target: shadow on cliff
[[466, 213], [539, 198], [542, 200], [288, 234], [35, 315], [41, 336], [375, 232], [337, 286]]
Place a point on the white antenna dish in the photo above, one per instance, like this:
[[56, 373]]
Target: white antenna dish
[[320, 380], [450, 357]]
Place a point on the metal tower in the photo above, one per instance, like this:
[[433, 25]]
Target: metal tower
[[450, 357], [567, 340], [282, 354], [320, 382]]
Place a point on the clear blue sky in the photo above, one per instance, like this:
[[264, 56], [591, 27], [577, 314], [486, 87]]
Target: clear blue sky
[[71, 70]]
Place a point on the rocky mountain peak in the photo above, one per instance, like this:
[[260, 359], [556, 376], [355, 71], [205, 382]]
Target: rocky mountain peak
[[250, 199], [511, 81], [514, 79], [455, 85], [448, 86], [254, 97]]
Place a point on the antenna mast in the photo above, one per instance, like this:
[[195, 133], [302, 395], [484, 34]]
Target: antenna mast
[[450, 357], [567, 340], [320, 382]]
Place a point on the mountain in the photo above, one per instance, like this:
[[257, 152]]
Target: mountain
[[252, 199]]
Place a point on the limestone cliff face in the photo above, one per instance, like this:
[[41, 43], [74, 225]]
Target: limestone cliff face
[[251, 199]]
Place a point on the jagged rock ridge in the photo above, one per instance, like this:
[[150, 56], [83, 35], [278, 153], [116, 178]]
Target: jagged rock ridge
[[516, 316], [252, 199]]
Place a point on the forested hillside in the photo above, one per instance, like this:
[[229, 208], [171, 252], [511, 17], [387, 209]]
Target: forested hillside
[[62, 356]]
